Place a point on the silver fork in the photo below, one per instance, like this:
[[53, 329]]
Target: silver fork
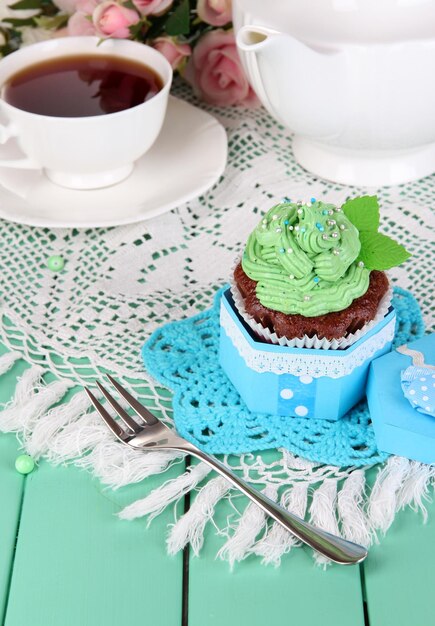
[[146, 432]]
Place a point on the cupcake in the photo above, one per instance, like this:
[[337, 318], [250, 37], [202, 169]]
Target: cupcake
[[309, 309], [315, 270]]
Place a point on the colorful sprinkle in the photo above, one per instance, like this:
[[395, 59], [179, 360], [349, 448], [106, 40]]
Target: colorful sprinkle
[[282, 250], [316, 279], [312, 200], [286, 222], [325, 212]]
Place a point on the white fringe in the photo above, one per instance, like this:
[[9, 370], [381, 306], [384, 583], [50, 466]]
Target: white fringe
[[278, 541], [355, 525], [323, 512], [415, 489], [117, 465], [251, 523], [190, 527], [169, 492], [77, 438], [383, 502], [7, 360], [32, 400], [38, 441]]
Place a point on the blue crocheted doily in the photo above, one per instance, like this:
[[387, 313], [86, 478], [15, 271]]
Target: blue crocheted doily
[[208, 411]]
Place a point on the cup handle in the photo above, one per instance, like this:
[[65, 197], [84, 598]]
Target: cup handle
[[7, 132]]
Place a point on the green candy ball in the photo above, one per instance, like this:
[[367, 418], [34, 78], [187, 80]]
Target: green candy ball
[[55, 263], [24, 464]]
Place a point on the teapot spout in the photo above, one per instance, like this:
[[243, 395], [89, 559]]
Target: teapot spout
[[252, 38]]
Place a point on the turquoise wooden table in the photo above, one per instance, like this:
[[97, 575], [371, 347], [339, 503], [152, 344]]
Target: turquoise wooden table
[[67, 560]]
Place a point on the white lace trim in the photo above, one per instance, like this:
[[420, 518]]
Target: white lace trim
[[333, 363]]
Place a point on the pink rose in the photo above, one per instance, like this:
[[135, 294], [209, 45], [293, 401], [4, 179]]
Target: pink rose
[[214, 12], [79, 24], [174, 51], [215, 72], [111, 19], [152, 7]]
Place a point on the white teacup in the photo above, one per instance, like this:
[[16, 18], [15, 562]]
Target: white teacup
[[84, 152]]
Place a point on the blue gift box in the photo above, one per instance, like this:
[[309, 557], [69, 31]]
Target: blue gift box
[[301, 382], [399, 428]]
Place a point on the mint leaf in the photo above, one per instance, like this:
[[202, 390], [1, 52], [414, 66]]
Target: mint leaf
[[363, 212], [178, 22], [379, 252]]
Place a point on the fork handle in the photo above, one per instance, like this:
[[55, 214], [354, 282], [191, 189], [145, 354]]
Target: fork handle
[[334, 548]]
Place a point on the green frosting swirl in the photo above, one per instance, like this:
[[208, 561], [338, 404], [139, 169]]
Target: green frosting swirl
[[303, 258]]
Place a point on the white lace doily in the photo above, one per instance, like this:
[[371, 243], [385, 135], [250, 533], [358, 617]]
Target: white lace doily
[[119, 284]]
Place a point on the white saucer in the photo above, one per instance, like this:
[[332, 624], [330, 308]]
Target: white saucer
[[188, 157]]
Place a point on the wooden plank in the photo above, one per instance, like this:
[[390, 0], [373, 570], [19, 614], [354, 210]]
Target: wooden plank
[[11, 489], [11, 486], [296, 592], [77, 563], [399, 573]]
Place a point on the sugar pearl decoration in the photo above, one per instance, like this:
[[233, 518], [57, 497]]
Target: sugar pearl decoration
[[360, 264], [296, 228], [335, 251], [300, 211], [342, 227], [325, 237], [289, 250], [334, 235], [307, 298], [278, 230], [290, 227], [274, 217], [331, 222], [291, 276]]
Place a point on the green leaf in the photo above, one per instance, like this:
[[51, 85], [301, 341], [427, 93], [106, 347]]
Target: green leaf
[[23, 5], [379, 252], [51, 23], [19, 23], [178, 22], [363, 212]]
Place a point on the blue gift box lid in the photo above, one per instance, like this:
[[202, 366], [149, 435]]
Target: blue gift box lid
[[399, 427]]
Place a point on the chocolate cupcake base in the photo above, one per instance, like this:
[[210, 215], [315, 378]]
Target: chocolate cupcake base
[[332, 326]]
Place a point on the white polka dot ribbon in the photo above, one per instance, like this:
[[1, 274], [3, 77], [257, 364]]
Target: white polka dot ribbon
[[418, 382]]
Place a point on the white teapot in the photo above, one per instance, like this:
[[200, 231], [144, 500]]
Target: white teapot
[[353, 79]]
